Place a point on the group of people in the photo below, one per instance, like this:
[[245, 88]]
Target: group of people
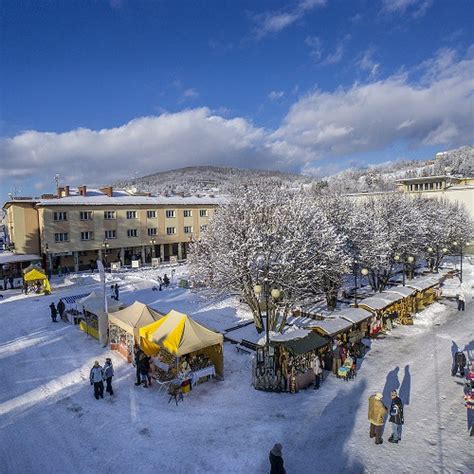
[[55, 310], [344, 355], [115, 291], [98, 375], [377, 413]]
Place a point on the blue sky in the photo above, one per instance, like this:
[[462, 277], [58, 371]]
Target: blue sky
[[96, 90]]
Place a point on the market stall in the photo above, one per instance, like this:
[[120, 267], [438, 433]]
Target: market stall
[[285, 365], [407, 307], [35, 279], [427, 290], [124, 326], [385, 307], [183, 348], [95, 321]]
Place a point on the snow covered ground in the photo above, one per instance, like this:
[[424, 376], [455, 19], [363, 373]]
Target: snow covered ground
[[50, 422]]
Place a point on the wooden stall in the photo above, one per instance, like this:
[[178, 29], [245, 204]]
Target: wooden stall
[[407, 306], [427, 290]]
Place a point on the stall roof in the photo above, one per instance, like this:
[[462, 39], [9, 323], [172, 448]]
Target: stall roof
[[94, 303], [333, 326], [10, 257], [423, 283], [74, 298], [305, 344], [355, 315], [401, 290]]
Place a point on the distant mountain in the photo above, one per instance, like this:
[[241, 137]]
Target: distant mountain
[[207, 179], [220, 180]]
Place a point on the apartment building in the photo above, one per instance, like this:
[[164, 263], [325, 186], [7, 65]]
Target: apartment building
[[73, 229]]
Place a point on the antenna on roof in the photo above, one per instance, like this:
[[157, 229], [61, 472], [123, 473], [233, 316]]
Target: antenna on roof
[[56, 178]]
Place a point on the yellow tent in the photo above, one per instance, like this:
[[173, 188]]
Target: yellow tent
[[133, 317], [33, 273], [179, 335]]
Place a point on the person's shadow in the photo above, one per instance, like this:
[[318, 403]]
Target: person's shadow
[[405, 387], [469, 350], [391, 383]]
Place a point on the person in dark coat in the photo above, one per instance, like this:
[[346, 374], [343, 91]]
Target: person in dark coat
[[108, 374], [166, 280], [96, 378], [138, 354], [11, 282], [61, 308], [276, 460], [116, 291], [145, 370], [459, 363], [396, 418], [54, 312]]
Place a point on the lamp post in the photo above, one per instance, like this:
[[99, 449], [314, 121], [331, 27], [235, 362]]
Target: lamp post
[[49, 265], [461, 245], [153, 243], [404, 261], [265, 292], [105, 246], [364, 272]]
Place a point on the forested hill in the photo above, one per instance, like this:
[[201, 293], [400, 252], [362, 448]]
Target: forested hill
[[214, 179]]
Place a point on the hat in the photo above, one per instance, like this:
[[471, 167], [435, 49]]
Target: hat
[[378, 396], [276, 450], [394, 392], [96, 362]]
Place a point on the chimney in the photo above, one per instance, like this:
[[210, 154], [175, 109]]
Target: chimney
[[60, 191], [66, 191], [107, 190], [82, 190]]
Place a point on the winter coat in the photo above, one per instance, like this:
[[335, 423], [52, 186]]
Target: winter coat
[[108, 371], [54, 311], [316, 366], [396, 411], [460, 359], [276, 464], [144, 365], [377, 411], [137, 357], [97, 374], [61, 307]]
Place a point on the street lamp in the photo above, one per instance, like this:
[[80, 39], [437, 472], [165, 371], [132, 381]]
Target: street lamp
[[404, 261], [364, 272], [461, 248], [105, 246], [264, 292], [153, 242]]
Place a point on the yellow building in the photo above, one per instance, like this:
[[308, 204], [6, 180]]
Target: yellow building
[[74, 228]]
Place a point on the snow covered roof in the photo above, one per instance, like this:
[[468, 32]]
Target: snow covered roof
[[94, 197], [381, 300], [423, 283], [333, 326], [401, 290], [355, 315], [301, 345], [10, 257]]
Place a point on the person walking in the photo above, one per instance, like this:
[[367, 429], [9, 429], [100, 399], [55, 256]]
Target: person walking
[[459, 363], [61, 308], [54, 312], [396, 417], [145, 370], [317, 366], [138, 354], [461, 302], [166, 280], [116, 291], [377, 412], [96, 378], [108, 374], [276, 460]]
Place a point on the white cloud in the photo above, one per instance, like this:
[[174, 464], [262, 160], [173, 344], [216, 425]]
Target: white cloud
[[314, 44], [367, 63], [189, 94], [276, 95], [416, 8], [338, 53], [276, 21], [372, 116]]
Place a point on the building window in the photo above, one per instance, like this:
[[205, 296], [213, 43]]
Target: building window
[[170, 213], [202, 212], [431, 186], [87, 235], [131, 214], [188, 213], [60, 216], [85, 215], [110, 234], [132, 233], [203, 228], [108, 215], [152, 231], [61, 237], [151, 214], [188, 229], [170, 230]]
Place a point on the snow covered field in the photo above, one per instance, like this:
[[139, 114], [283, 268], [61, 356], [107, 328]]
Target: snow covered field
[[50, 422]]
